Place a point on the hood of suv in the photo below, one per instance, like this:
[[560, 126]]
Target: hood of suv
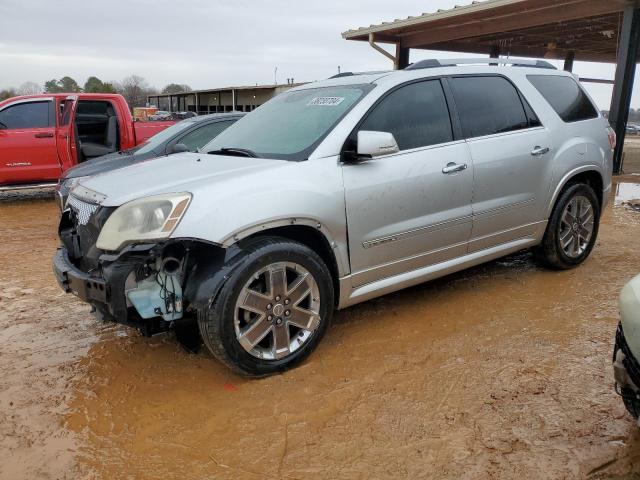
[[182, 172], [106, 163]]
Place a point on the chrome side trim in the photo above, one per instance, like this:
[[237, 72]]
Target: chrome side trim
[[8, 188], [502, 208], [416, 231]]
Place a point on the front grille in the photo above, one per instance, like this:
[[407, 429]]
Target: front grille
[[82, 209]]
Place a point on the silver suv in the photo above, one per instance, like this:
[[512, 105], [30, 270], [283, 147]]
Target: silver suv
[[337, 192]]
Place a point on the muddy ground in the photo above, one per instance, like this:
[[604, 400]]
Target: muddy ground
[[502, 371]]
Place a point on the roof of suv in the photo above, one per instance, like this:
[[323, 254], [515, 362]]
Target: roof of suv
[[428, 68]]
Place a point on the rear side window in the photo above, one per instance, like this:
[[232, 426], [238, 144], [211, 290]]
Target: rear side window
[[26, 115], [199, 137], [416, 115], [488, 105], [565, 96]]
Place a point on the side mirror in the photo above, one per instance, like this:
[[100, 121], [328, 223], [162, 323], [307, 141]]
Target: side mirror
[[374, 144], [179, 148]]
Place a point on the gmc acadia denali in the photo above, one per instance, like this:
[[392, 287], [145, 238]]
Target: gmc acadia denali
[[337, 192]]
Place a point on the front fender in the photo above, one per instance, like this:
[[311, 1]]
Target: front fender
[[308, 193]]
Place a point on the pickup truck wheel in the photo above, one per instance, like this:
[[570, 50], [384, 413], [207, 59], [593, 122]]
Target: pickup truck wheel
[[572, 229], [272, 311]]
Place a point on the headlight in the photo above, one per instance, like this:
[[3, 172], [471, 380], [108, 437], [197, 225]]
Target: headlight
[[146, 218]]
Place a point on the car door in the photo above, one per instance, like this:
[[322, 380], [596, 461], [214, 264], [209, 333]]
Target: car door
[[66, 133], [512, 158], [413, 208], [27, 142]]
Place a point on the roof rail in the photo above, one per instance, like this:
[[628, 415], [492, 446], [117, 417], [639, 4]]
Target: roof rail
[[435, 63], [351, 74]]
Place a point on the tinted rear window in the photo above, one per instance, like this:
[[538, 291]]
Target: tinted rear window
[[488, 105], [565, 96]]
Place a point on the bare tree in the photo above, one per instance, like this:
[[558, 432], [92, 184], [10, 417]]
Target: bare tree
[[29, 88], [134, 89]]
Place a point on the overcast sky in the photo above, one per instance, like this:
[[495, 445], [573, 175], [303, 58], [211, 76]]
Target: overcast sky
[[206, 43]]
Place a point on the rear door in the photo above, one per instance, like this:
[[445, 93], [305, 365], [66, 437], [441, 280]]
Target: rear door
[[66, 133], [413, 208], [512, 159], [27, 142]]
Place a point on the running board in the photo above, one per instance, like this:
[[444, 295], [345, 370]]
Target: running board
[[29, 186], [430, 272]]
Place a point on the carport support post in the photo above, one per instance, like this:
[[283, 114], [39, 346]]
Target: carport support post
[[402, 57], [568, 61], [494, 53], [625, 73]]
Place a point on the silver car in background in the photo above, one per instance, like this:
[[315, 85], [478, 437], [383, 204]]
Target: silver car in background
[[337, 192]]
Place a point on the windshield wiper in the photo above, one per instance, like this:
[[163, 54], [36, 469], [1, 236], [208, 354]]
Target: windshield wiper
[[234, 151]]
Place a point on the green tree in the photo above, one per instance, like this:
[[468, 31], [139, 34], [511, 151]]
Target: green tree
[[68, 84], [7, 93], [95, 85], [176, 88], [52, 86], [64, 85]]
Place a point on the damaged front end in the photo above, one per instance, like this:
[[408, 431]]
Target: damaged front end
[[626, 368], [149, 285]]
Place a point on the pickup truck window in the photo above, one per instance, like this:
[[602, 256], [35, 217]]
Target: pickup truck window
[[291, 125], [26, 115]]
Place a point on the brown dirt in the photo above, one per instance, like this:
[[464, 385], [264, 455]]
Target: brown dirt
[[502, 371]]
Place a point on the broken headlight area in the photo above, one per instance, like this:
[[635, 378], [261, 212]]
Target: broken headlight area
[[154, 289], [626, 372], [143, 285]]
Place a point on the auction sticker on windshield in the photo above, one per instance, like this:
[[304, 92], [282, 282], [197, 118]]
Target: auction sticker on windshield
[[326, 101]]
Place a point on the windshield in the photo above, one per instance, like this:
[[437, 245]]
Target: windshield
[[161, 137], [291, 125]]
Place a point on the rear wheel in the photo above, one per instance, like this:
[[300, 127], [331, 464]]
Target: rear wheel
[[572, 229], [273, 310]]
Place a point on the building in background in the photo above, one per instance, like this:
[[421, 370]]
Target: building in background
[[215, 100]]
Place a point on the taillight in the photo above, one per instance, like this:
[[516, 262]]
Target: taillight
[[612, 138]]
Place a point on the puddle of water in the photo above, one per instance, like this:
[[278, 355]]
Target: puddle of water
[[627, 194]]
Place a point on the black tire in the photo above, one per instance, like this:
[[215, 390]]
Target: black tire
[[550, 252], [216, 322]]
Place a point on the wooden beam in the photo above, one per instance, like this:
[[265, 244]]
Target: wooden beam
[[494, 23], [520, 51]]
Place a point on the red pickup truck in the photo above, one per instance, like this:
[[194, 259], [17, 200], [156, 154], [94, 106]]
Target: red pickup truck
[[41, 136]]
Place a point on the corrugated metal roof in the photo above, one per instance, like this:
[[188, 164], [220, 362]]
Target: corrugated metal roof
[[475, 6]]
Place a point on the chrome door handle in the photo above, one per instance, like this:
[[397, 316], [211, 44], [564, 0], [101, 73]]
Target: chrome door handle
[[454, 167], [537, 151]]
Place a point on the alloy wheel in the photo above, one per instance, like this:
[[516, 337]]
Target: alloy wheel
[[576, 226], [277, 311]]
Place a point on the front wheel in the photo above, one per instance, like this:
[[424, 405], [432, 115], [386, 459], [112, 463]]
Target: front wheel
[[572, 229], [273, 310]]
